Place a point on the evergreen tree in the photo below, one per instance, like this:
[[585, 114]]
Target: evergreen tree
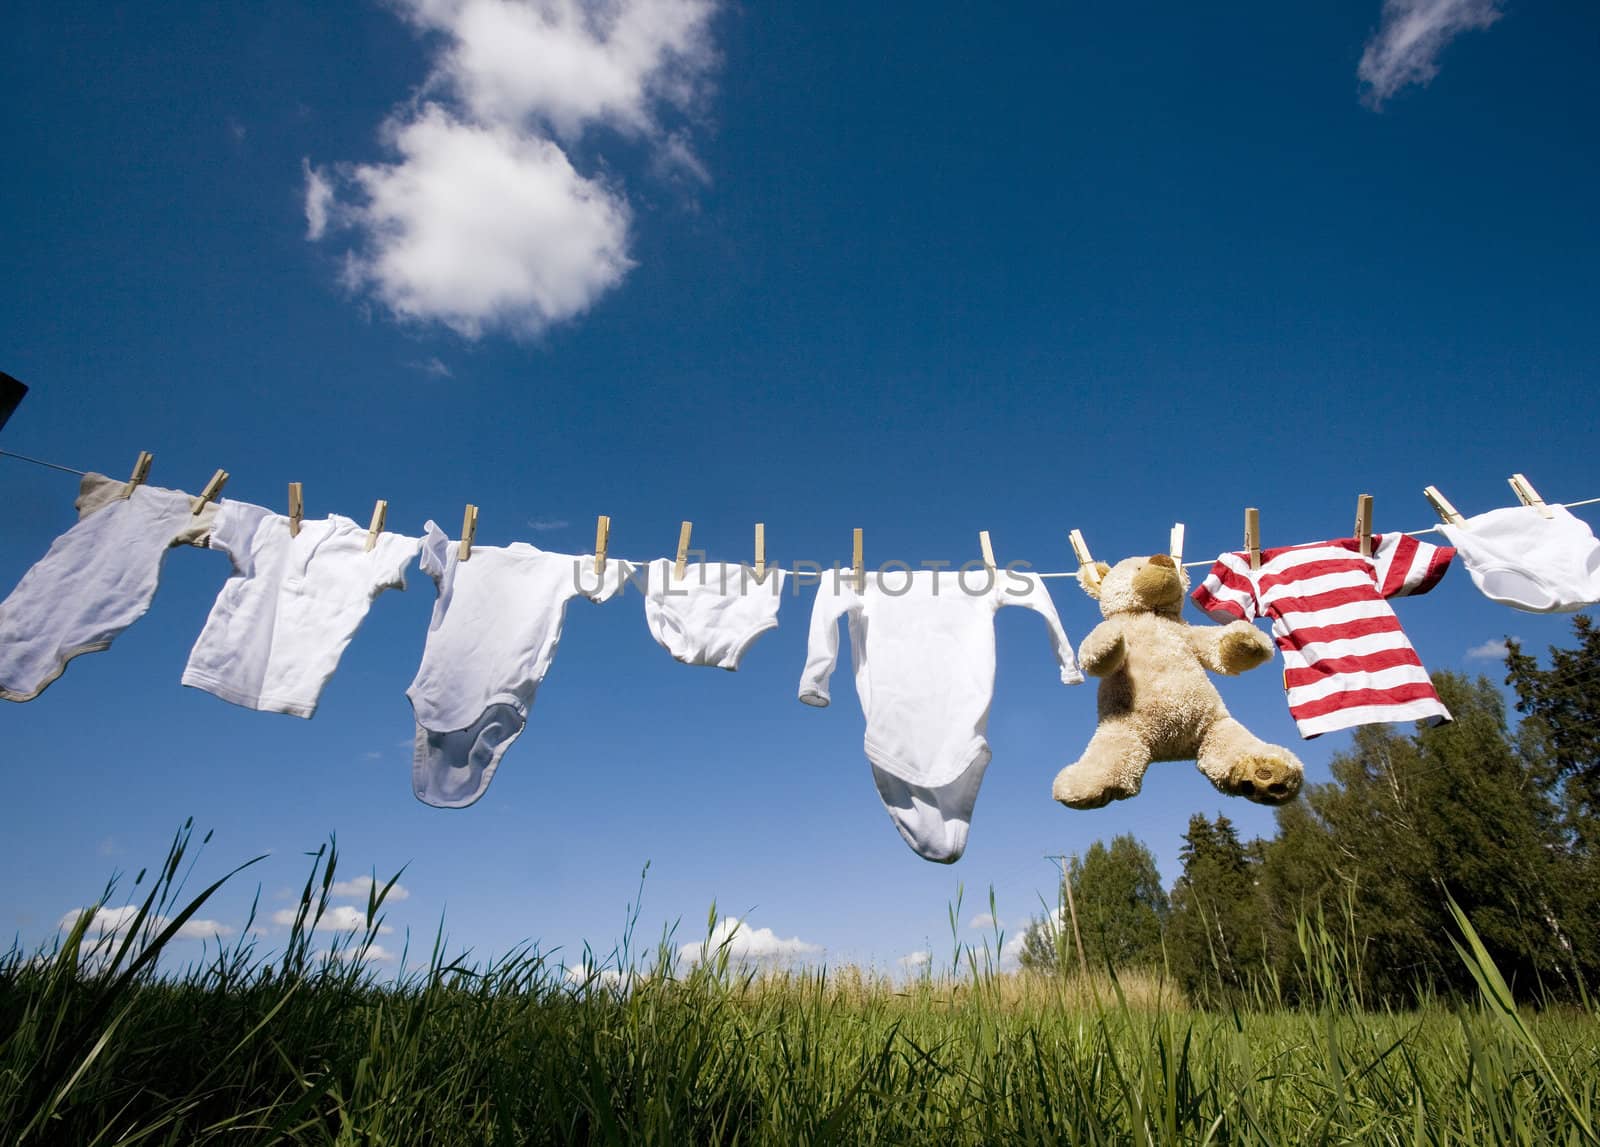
[[1457, 809], [1214, 937], [1122, 910]]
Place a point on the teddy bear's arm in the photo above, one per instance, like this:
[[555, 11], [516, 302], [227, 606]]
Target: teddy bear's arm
[[1231, 648], [1103, 650]]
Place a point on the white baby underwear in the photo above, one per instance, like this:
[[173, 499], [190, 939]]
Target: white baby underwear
[[283, 619], [494, 632], [1520, 558], [713, 613], [923, 648], [97, 579]]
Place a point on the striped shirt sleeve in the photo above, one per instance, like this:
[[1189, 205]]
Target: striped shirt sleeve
[[1227, 594], [1406, 566]]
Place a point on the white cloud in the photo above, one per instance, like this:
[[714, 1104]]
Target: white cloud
[[1411, 34], [914, 960], [360, 886], [745, 944], [568, 64], [110, 923], [319, 201], [481, 221], [542, 524], [1492, 650], [481, 227], [339, 918], [981, 920], [373, 954]]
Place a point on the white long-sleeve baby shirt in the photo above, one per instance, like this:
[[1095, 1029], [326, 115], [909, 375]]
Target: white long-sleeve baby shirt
[[923, 648], [495, 628], [97, 579], [283, 619]]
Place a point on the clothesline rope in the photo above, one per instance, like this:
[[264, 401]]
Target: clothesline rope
[[1068, 573]]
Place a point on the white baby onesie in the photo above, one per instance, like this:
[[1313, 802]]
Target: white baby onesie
[[713, 613], [97, 579], [283, 619], [1520, 558], [923, 650], [493, 635]]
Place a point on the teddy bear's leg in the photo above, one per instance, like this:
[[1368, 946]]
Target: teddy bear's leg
[[1111, 769], [1243, 765]]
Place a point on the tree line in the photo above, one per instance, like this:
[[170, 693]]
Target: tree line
[[1352, 893]]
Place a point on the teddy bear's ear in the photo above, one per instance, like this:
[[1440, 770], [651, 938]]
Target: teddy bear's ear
[[1090, 577]]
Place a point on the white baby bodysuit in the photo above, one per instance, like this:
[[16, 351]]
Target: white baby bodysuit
[[923, 650], [283, 619], [493, 636], [713, 613], [97, 579], [1520, 558]]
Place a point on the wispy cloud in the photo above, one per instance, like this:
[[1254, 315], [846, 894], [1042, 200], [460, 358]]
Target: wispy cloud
[[431, 367], [319, 201], [340, 918], [481, 221], [745, 944], [373, 953], [981, 920], [1492, 650], [542, 524], [360, 886], [1411, 34], [915, 960]]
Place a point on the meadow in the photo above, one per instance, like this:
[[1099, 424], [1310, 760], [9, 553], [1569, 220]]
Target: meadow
[[100, 1043]]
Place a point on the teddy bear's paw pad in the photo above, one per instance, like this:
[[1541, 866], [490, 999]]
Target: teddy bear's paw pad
[[1084, 792], [1264, 778]]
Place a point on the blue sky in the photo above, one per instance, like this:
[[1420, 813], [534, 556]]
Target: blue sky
[[820, 266]]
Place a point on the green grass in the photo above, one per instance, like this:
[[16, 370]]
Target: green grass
[[99, 1046]]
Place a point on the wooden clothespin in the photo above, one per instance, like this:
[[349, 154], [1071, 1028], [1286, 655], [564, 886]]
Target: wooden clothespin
[[297, 509], [986, 549], [141, 471], [1364, 524], [682, 562], [761, 551], [1441, 506], [1528, 495], [380, 514], [1175, 544], [602, 539], [212, 489], [1080, 549], [1252, 536], [857, 565], [469, 530]]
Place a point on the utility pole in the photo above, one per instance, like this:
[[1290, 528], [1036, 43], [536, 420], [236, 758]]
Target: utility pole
[[1072, 909]]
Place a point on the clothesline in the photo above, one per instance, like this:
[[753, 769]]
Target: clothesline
[[1066, 573]]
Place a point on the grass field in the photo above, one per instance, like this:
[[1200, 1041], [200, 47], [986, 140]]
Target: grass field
[[98, 1045]]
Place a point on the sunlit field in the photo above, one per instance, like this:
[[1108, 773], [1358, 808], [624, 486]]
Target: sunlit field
[[102, 1043]]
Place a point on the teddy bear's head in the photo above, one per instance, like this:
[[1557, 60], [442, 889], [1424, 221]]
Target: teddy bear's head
[[1137, 585]]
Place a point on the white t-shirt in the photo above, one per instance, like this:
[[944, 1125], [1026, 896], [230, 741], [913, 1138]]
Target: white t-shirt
[[1520, 558], [98, 578], [283, 619]]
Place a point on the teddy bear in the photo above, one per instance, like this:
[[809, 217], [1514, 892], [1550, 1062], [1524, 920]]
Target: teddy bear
[[1156, 702]]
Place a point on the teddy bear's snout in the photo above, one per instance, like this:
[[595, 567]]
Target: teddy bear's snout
[[1158, 582]]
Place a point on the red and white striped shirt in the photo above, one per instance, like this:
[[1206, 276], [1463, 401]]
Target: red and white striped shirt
[[1346, 660]]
